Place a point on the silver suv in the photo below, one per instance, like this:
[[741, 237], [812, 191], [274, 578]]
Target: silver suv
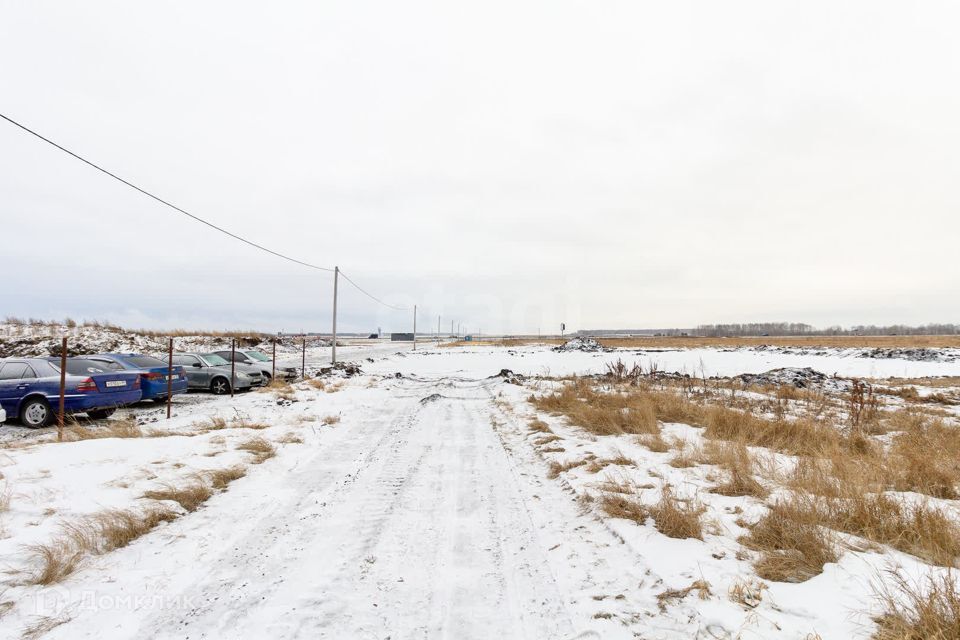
[[262, 361], [208, 371]]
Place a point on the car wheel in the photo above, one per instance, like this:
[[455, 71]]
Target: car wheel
[[220, 386], [266, 379], [100, 414], [36, 413]]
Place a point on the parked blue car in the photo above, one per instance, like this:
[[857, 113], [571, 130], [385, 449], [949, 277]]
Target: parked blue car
[[30, 389], [153, 373]]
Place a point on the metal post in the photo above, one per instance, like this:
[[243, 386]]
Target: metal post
[[63, 386], [169, 377], [273, 361], [333, 352], [414, 327], [233, 364], [303, 362], [438, 331]]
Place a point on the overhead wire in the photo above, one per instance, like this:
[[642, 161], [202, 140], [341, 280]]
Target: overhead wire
[[370, 295], [161, 200]]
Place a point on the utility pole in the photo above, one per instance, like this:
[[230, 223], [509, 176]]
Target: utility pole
[[438, 330], [333, 352], [414, 327]]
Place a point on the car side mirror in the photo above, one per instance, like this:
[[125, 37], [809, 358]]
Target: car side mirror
[[197, 365]]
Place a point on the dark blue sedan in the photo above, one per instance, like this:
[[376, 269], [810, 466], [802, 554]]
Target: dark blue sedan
[[153, 373], [30, 389]]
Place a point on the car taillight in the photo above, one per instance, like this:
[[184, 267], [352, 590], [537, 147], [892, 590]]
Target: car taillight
[[136, 382], [87, 385], [152, 375]]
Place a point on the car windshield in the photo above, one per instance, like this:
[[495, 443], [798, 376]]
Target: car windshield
[[256, 355], [213, 359], [83, 367], [145, 362]]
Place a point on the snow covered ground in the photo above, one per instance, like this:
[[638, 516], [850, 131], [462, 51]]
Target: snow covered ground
[[405, 507]]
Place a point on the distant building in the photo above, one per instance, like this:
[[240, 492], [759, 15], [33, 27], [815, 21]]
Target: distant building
[[401, 337]]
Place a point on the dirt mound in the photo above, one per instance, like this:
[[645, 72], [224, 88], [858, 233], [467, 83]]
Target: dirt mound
[[805, 378], [588, 345], [919, 354]]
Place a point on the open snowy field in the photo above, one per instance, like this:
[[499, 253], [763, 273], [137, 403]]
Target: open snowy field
[[430, 497]]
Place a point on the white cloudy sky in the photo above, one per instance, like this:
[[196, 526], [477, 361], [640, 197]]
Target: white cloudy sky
[[508, 164]]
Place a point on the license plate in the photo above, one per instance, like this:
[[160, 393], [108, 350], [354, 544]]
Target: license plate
[[116, 383]]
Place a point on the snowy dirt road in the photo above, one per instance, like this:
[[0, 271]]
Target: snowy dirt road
[[419, 517]]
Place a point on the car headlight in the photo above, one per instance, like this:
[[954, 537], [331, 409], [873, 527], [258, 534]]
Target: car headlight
[[241, 375]]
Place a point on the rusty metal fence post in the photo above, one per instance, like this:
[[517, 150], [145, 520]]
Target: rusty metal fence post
[[233, 364], [303, 363], [169, 377], [63, 386], [273, 361]]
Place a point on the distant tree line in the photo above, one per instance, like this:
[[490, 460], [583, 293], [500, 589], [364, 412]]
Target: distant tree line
[[788, 329], [801, 329]]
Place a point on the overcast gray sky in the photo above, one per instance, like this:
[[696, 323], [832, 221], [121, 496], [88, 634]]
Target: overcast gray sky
[[508, 164]]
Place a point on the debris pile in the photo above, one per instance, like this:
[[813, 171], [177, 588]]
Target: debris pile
[[805, 378], [588, 345]]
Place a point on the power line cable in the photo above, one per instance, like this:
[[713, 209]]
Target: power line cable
[[370, 295], [162, 201]]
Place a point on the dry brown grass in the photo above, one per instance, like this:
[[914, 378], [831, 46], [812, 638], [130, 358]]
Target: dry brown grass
[[281, 389], [702, 587], [538, 426], [797, 437], [599, 464], [736, 461], [556, 468], [57, 559], [41, 625], [929, 610], [91, 535], [791, 550], [748, 592], [917, 528], [330, 420], [619, 500], [654, 442], [927, 459], [122, 428], [677, 518], [601, 413], [189, 496], [220, 478], [260, 448]]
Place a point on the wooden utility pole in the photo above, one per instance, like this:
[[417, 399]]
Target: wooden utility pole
[[414, 327], [336, 277], [63, 386], [169, 376]]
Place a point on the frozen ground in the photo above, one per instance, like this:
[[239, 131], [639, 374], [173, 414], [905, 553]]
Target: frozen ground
[[422, 510]]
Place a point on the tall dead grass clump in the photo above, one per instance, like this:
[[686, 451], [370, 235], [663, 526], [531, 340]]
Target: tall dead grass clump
[[735, 459], [796, 437], [619, 500], [927, 459], [792, 550], [917, 528], [91, 535], [122, 428], [220, 478], [926, 610], [677, 518], [260, 448], [189, 496], [601, 413]]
